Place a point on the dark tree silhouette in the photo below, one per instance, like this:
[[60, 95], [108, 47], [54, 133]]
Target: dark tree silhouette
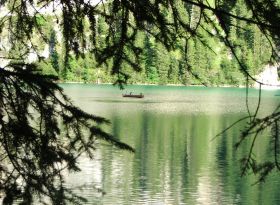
[[43, 133]]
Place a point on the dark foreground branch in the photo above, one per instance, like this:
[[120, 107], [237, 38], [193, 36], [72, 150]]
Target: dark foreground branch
[[41, 134]]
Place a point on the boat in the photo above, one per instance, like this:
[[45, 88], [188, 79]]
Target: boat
[[133, 95]]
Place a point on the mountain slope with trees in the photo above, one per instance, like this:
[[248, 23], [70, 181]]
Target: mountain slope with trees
[[207, 60]]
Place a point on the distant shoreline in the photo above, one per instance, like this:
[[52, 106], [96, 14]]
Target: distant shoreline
[[172, 85], [150, 84]]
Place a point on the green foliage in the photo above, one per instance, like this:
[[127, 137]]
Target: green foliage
[[208, 60], [41, 21], [54, 56], [149, 58], [47, 68]]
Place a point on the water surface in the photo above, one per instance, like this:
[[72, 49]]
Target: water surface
[[176, 159]]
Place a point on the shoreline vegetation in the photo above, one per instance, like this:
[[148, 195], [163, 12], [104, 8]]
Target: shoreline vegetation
[[171, 85], [269, 75], [150, 84]]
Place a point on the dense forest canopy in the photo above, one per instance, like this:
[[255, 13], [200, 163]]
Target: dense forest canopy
[[207, 61], [149, 41]]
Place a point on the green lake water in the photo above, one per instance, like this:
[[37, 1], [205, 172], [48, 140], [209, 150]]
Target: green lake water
[[176, 159]]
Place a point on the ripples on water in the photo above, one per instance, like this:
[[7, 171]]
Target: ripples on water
[[176, 160]]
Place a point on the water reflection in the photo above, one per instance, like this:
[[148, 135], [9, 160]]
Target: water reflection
[[176, 160]]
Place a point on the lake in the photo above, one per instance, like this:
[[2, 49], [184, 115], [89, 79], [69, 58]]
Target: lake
[[177, 161]]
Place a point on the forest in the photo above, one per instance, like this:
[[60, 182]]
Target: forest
[[201, 59]]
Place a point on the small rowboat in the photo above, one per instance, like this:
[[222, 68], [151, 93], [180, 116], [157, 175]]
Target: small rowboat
[[133, 95]]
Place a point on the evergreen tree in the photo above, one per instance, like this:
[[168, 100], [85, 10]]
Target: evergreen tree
[[162, 62], [150, 63], [53, 52]]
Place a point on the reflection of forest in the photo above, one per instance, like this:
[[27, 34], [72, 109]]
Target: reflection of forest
[[177, 163]]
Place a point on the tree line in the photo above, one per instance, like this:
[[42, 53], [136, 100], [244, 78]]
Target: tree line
[[201, 59]]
